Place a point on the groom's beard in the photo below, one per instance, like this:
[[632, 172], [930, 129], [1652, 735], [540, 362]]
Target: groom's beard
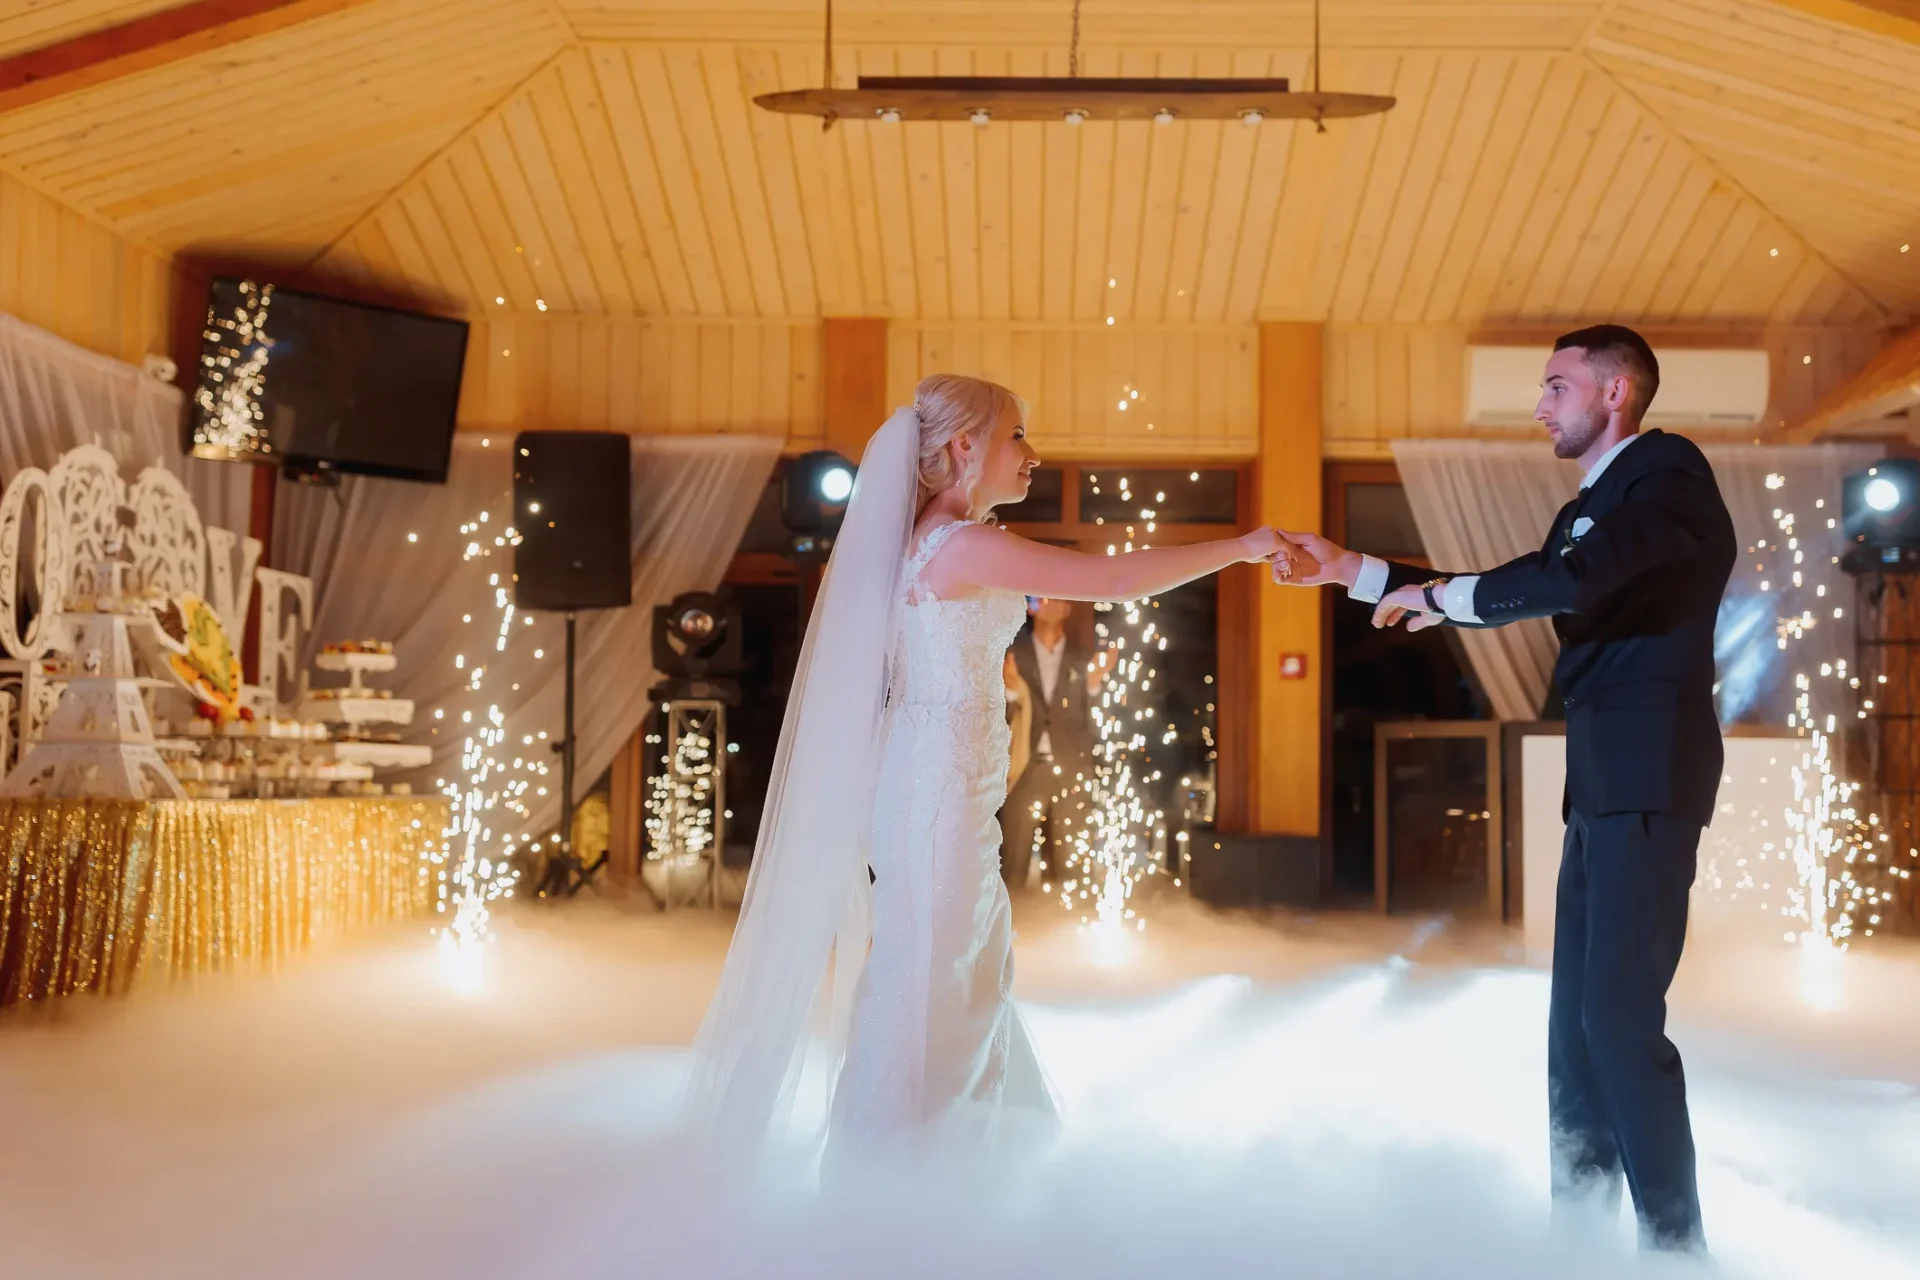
[[1574, 439]]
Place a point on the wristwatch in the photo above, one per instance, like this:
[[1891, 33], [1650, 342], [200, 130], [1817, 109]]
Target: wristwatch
[[1433, 601]]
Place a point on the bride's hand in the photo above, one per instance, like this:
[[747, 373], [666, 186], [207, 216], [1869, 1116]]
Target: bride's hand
[[1270, 546], [1260, 545], [1292, 566]]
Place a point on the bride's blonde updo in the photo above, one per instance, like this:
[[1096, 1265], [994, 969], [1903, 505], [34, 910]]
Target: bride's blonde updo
[[952, 405]]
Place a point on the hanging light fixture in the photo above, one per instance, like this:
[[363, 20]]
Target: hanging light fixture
[[1072, 99]]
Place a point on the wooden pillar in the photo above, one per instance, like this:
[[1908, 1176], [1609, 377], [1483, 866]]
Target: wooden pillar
[[1237, 643], [853, 381], [1286, 621]]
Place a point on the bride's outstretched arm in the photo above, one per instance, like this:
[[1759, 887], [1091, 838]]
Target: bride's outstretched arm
[[984, 556]]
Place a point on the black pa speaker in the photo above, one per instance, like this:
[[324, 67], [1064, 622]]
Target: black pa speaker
[[1252, 871], [572, 508]]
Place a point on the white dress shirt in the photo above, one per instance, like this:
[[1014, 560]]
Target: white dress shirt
[[1457, 596], [1050, 663]]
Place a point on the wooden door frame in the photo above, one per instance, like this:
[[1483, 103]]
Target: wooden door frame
[[1335, 477]]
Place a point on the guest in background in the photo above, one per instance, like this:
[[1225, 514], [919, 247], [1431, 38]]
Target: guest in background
[[1047, 799], [1019, 721]]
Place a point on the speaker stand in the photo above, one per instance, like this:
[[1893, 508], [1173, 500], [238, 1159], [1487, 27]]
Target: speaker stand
[[564, 875]]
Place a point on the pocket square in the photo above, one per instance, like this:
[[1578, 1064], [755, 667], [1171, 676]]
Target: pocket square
[[1576, 531]]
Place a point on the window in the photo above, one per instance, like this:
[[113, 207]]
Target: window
[[1120, 494], [1380, 522]]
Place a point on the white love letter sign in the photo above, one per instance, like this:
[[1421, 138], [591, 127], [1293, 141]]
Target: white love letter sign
[[44, 562], [169, 545], [78, 545], [280, 642], [220, 578]]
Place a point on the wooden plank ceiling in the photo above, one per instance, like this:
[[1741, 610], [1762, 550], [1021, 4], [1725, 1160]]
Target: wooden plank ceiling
[[35, 24], [1669, 160]]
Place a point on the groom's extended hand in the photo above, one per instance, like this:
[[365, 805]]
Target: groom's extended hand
[[1334, 564], [1329, 562]]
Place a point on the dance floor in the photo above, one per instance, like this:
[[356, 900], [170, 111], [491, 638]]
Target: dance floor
[[1345, 1097]]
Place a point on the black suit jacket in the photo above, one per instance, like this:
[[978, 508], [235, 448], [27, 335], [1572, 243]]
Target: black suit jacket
[[1634, 602], [1067, 718]]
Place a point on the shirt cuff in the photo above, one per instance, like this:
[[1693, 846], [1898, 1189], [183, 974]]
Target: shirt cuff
[[1457, 598], [1371, 582]]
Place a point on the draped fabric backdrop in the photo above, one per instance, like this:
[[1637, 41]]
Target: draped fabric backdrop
[[1479, 503], [692, 498], [55, 396]]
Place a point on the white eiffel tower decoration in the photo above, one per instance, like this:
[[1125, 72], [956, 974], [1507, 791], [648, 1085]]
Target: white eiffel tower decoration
[[98, 743]]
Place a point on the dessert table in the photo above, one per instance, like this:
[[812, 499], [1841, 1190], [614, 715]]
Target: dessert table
[[110, 896]]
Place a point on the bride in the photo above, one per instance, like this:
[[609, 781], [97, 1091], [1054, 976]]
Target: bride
[[875, 885]]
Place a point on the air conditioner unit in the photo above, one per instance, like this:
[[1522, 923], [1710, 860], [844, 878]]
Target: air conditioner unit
[[1698, 388]]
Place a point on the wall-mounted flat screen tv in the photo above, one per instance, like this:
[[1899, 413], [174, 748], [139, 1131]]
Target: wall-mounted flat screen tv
[[322, 385]]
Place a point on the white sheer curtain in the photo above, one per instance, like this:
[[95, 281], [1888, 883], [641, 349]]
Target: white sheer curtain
[[1478, 503], [692, 498], [54, 396]]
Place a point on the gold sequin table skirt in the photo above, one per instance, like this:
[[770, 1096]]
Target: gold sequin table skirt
[[104, 896]]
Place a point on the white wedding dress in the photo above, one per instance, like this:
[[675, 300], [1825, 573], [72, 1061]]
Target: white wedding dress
[[875, 937], [937, 1057]]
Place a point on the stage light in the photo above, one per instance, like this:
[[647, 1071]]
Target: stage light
[[1880, 519], [696, 636], [836, 484], [813, 500]]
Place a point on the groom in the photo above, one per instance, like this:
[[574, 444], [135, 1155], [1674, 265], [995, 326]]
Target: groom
[[1631, 574]]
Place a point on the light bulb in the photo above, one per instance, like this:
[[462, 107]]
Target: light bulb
[[888, 115], [980, 115], [1252, 115], [1163, 116], [1075, 116]]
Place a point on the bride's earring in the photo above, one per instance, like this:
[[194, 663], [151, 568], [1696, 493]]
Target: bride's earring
[[966, 470]]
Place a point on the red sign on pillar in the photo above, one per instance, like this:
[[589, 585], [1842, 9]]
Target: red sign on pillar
[[1293, 666]]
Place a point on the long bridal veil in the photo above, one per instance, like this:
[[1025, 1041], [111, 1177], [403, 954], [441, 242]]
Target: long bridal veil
[[807, 890]]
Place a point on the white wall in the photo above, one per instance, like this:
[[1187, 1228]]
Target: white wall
[[1731, 902]]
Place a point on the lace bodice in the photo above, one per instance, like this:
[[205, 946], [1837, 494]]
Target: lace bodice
[[950, 653]]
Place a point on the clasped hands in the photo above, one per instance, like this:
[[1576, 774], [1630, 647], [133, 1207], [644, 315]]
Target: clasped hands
[[1309, 560]]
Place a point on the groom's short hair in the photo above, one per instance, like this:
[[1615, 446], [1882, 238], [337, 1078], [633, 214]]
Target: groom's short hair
[[1613, 350]]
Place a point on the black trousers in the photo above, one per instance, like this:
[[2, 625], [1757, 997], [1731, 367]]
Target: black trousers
[[1616, 1093], [1044, 810]]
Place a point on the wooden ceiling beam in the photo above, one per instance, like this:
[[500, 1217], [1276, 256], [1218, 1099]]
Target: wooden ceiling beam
[[1887, 384], [101, 57], [1895, 19]]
